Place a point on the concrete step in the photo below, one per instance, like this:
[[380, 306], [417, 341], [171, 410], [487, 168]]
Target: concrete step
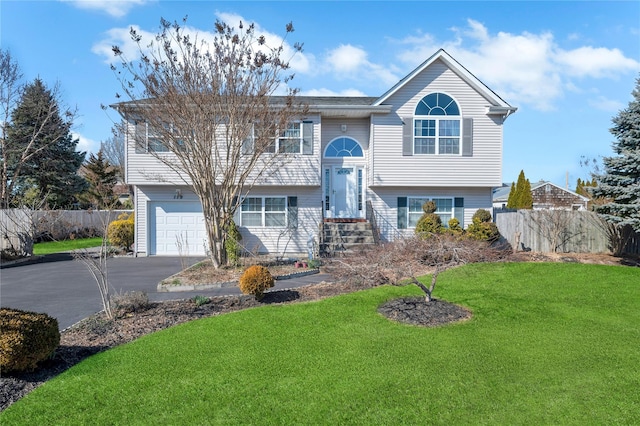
[[339, 238]]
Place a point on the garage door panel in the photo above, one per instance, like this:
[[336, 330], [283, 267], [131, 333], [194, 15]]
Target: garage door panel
[[176, 228]]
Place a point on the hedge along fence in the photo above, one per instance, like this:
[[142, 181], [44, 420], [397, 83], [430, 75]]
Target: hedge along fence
[[20, 228], [560, 231]]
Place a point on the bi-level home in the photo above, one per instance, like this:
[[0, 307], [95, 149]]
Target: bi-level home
[[436, 135]]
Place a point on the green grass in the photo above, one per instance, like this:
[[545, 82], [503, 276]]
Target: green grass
[[50, 247], [548, 344]]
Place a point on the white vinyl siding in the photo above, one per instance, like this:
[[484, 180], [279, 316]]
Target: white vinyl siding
[[143, 168], [272, 239], [481, 169], [385, 203]]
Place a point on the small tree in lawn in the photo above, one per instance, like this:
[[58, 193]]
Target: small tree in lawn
[[209, 100], [620, 182], [404, 260]]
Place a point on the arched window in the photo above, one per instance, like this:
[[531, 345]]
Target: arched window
[[436, 126], [343, 147]]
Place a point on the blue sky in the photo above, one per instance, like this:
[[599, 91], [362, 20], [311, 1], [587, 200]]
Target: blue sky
[[568, 66]]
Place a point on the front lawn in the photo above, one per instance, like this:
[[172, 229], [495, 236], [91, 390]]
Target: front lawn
[[547, 344], [50, 247]]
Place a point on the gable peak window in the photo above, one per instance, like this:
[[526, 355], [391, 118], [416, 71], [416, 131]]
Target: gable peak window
[[437, 125]]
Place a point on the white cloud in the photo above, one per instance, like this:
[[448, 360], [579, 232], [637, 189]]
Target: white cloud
[[524, 68], [595, 62], [347, 59], [607, 105], [329, 92], [115, 8], [298, 61], [86, 144], [350, 62], [120, 37]]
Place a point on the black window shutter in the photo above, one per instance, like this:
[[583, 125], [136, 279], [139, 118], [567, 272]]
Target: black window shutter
[[307, 137], [292, 216], [467, 137], [407, 136], [458, 210], [402, 212]]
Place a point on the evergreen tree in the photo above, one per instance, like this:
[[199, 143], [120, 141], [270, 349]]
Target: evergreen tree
[[520, 196], [526, 196], [620, 182], [102, 176], [511, 201], [37, 127]]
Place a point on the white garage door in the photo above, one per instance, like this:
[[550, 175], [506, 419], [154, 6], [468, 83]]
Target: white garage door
[[176, 228]]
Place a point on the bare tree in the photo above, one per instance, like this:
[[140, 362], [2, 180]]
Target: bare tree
[[113, 148], [404, 260], [210, 102], [10, 92]]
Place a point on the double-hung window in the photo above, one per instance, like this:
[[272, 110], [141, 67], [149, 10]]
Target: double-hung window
[[444, 209], [437, 125], [148, 140], [296, 138], [264, 211]]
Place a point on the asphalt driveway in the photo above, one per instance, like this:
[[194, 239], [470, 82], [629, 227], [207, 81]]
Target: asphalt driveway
[[64, 288]]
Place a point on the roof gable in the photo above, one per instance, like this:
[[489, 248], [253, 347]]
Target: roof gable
[[501, 106]]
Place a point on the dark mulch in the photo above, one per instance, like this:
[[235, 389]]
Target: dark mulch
[[416, 311], [96, 334]]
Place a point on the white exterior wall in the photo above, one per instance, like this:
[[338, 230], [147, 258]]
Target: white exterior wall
[[145, 195], [385, 203], [357, 129], [391, 168], [279, 239], [254, 239], [286, 169]]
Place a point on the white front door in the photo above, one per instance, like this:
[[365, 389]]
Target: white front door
[[345, 192]]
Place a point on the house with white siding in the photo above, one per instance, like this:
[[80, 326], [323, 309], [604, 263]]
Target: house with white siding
[[436, 135]]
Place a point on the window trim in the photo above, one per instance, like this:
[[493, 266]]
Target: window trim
[[438, 119], [263, 211]]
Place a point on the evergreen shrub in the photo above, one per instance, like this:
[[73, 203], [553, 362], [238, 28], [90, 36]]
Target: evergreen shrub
[[26, 338], [429, 223], [121, 231], [482, 228], [232, 244], [256, 280]]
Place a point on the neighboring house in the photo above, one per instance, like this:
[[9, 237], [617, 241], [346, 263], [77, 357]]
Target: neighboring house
[[436, 135], [546, 195]]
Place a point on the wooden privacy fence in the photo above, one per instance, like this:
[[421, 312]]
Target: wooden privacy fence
[[18, 227], [560, 231]]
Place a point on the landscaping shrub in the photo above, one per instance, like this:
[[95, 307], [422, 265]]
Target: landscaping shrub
[[255, 280], [482, 228], [454, 227], [26, 338], [121, 231], [429, 223], [130, 301], [232, 245]]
